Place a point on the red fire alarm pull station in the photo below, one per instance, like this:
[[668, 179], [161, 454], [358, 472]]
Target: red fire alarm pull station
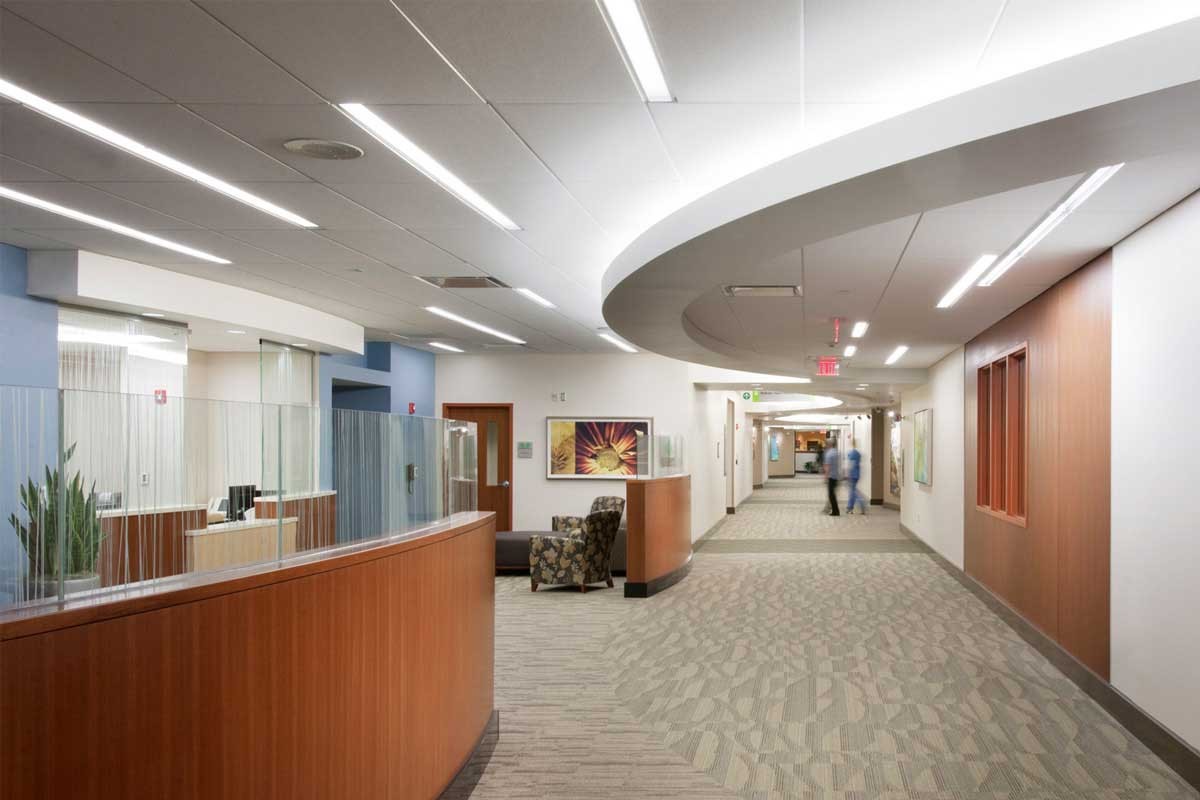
[[160, 396], [412, 408]]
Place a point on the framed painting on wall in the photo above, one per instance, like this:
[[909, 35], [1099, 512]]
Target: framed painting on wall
[[598, 448], [922, 447]]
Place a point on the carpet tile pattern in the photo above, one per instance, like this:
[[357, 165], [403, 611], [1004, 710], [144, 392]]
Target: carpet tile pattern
[[806, 521], [803, 657]]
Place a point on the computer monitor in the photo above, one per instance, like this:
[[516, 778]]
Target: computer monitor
[[240, 499]]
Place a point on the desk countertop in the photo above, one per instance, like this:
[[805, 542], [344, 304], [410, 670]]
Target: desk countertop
[[227, 527], [271, 498], [149, 510]]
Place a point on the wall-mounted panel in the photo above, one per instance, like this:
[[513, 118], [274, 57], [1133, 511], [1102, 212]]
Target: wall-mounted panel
[[1054, 569]]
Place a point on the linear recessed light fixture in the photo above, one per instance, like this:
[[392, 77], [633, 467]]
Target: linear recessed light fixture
[[897, 354], [850, 350], [443, 313], [446, 347], [614, 341], [236, 332], [424, 163], [861, 388], [535, 297], [764, 290], [968, 278], [108, 225], [633, 35], [859, 330], [299, 344], [153, 314], [1051, 221], [121, 141]]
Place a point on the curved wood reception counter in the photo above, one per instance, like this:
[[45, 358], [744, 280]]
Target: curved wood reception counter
[[363, 671]]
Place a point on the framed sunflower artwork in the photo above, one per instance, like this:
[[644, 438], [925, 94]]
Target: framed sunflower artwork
[[598, 448]]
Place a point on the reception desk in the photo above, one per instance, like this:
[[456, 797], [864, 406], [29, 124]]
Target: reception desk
[[659, 533], [363, 671]]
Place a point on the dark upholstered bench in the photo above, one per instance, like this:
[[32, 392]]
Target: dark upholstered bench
[[512, 549]]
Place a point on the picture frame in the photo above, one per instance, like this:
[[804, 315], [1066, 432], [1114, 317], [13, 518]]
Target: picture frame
[[599, 448], [923, 447]]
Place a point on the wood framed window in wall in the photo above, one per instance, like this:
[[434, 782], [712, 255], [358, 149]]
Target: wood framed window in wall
[[1002, 469]]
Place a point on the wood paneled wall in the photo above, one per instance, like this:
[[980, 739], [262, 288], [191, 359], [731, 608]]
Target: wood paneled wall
[[365, 674], [1054, 571], [659, 527], [316, 518], [145, 545]]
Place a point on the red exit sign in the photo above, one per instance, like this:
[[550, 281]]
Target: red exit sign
[[827, 367]]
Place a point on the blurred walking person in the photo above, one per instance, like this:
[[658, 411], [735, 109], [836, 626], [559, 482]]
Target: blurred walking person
[[832, 474], [854, 459]]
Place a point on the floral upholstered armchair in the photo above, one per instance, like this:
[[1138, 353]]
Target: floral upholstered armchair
[[564, 524], [578, 557]]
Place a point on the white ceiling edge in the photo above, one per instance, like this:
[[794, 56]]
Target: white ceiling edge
[[905, 164], [707, 377], [82, 278], [1129, 68]]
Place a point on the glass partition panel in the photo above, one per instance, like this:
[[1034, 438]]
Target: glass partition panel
[[669, 453], [462, 490], [29, 458], [101, 491]]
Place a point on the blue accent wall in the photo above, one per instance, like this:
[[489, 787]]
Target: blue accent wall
[[28, 327], [412, 381], [28, 402]]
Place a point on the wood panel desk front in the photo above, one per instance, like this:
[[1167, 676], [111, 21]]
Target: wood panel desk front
[[233, 544]]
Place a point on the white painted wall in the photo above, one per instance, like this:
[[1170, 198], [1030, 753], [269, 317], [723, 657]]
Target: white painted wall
[[935, 512], [618, 385], [1155, 543], [232, 376], [785, 467]]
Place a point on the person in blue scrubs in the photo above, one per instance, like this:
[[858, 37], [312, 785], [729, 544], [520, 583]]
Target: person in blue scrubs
[[855, 460]]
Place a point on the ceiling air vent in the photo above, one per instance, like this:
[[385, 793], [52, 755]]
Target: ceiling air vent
[[465, 282], [325, 149], [764, 290], [497, 346]]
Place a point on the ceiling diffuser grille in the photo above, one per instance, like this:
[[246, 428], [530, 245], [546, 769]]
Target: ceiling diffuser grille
[[465, 282]]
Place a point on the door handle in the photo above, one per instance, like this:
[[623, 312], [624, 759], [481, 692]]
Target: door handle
[[505, 484]]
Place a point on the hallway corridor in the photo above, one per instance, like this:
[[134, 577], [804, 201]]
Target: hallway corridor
[[805, 656]]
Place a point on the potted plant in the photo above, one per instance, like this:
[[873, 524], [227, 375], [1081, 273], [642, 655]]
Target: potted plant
[[39, 534]]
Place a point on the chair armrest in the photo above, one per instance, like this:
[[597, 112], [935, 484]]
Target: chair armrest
[[566, 523]]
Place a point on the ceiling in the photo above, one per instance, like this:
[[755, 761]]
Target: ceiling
[[528, 101], [879, 224]]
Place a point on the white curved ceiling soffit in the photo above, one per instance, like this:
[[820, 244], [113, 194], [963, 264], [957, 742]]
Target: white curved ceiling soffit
[[527, 101], [878, 224]]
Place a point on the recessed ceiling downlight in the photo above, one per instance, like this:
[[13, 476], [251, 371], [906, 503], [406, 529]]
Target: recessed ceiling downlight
[[326, 149]]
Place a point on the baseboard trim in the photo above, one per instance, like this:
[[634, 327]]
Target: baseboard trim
[[730, 509], [465, 780], [653, 587], [758, 485], [892, 506], [1175, 753], [876, 501]]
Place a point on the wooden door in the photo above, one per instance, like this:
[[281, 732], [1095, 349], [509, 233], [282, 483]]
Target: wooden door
[[493, 429]]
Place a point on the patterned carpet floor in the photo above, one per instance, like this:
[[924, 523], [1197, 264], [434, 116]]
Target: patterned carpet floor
[[862, 671]]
